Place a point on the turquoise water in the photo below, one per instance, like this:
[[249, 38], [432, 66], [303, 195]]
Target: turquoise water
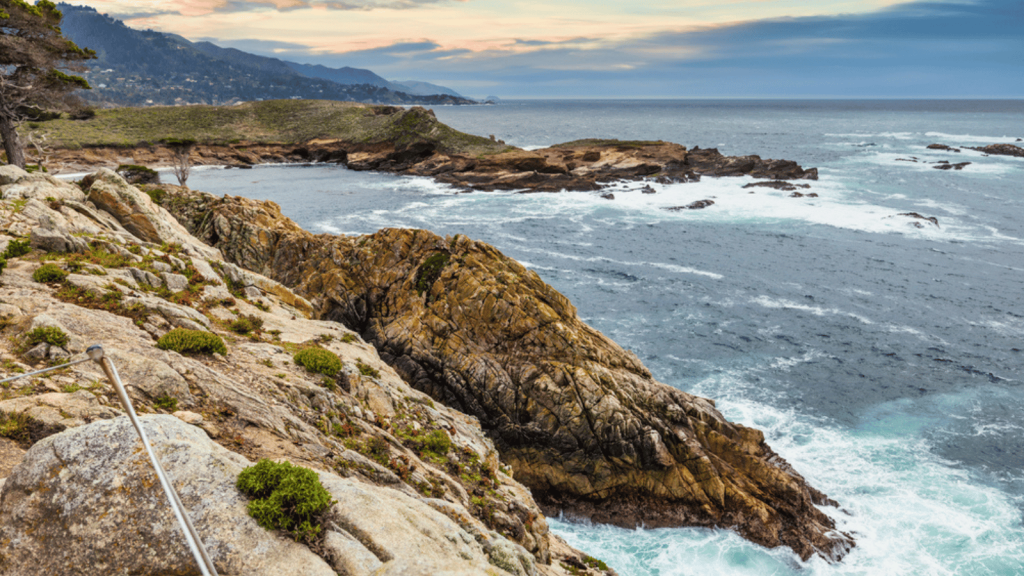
[[882, 360]]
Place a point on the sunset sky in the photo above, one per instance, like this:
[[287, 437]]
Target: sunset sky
[[642, 48]]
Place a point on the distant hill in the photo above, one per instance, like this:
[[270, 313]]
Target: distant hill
[[144, 67], [424, 88]]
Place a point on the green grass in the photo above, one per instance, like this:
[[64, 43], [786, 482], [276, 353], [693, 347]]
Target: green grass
[[270, 122]]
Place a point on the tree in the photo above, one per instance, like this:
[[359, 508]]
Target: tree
[[181, 149], [34, 55]]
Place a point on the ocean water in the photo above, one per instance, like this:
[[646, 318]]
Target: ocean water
[[883, 360]]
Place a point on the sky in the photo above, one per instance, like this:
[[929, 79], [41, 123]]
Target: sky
[[628, 48]]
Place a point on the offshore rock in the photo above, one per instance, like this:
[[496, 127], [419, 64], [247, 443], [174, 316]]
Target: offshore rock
[[581, 421], [1001, 150]]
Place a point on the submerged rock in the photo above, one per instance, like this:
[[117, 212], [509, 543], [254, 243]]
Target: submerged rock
[[581, 421]]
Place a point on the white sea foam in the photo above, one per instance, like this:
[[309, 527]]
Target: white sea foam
[[954, 139], [816, 310], [910, 512]]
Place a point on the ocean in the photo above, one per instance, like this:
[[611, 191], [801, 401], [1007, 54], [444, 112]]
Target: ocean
[[882, 354]]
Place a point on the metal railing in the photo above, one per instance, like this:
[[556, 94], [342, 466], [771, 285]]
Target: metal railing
[[96, 354]]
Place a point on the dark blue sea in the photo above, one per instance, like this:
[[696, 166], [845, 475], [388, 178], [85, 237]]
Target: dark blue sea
[[884, 360]]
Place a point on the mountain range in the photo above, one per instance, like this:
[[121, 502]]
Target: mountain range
[[145, 67]]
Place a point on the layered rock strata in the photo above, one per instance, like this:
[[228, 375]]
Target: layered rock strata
[[582, 422]]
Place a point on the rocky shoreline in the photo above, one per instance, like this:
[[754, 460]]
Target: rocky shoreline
[[544, 413]]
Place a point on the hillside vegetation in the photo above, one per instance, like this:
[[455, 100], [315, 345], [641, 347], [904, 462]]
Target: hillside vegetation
[[269, 122]]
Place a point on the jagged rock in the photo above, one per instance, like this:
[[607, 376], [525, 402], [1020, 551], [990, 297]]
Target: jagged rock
[[942, 147], [87, 502], [582, 422], [38, 352]]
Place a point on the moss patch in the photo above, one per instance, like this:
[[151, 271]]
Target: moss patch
[[430, 271], [50, 334], [49, 273]]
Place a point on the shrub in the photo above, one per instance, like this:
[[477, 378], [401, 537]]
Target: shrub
[[169, 403], [246, 324], [3, 263], [49, 273], [285, 497], [437, 442], [192, 342], [367, 370], [319, 360], [50, 334], [16, 248]]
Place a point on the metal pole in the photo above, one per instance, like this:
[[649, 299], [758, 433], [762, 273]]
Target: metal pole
[[195, 543]]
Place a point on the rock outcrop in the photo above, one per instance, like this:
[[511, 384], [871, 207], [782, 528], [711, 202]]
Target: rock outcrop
[[364, 430], [581, 421]]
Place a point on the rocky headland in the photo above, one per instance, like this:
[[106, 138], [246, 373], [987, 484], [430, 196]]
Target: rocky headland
[[581, 421], [391, 139], [542, 413]]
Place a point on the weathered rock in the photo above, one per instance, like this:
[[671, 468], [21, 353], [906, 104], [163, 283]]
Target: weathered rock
[[56, 411], [581, 421], [174, 282], [87, 502], [942, 147], [56, 240], [17, 185], [138, 214]]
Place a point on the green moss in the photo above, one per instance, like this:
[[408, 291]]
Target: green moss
[[430, 271], [192, 342], [49, 273], [50, 334], [319, 360], [348, 338], [15, 425], [285, 497], [165, 402]]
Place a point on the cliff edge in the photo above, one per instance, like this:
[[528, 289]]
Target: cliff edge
[[581, 421]]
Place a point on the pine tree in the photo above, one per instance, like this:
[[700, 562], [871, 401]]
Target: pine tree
[[35, 59]]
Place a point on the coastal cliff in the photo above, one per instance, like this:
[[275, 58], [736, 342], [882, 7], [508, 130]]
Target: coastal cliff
[[420, 489], [581, 421]]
